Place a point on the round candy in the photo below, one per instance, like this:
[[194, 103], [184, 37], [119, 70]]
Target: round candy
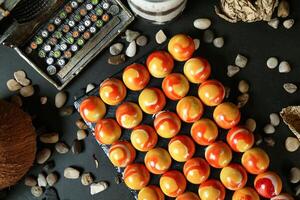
[[188, 196], [121, 153], [152, 100], [204, 132], [218, 154], [181, 47], [175, 86], [181, 148], [227, 115], [136, 176], [129, 115], [112, 91], [136, 77], [167, 124], [190, 109], [245, 193], [240, 139], [160, 64], [211, 92], [268, 184], [107, 131], [255, 160], [196, 170], [197, 70], [158, 160], [172, 183], [143, 138], [283, 196], [92, 109], [151, 192], [233, 176], [212, 190]]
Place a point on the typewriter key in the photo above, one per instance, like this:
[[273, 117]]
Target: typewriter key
[[58, 34], [61, 62], [42, 54], [45, 34], [70, 40], [57, 21], [39, 40], [94, 18], [75, 34], [81, 28], [94, 2], [80, 1], [99, 11], [50, 28], [53, 41], [63, 15], [68, 9], [87, 22], [105, 17], [47, 48], [71, 23], [89, 6], [86, 35], [68, 54], [93, 29], [56, 54], [80, 42], [63, 47], [114, 10], [105, 5], [66, 28], [74, 4], [99, 23], [83, 12], [33, 45], [50, 61], [77, 18], [74, 48], [51, 70]]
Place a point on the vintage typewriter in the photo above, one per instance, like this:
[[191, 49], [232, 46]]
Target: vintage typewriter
[[58, 38]]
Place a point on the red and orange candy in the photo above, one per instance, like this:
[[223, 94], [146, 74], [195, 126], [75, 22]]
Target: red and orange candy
[[136, 77], [107, 131], [268, 184], [129, 115], [204, 132], [158, 160], [167, 124], [121, 153], [181, 47], [172, 183], [218, 154], [255, 160], [188, 196], [136, 176], [190, 109], [211, 92], [197, 70], [240, 139], [92, 109], [233, 176], [151, 192], [181, 148], [283, 196], [160, 64], [112, 91], [152, 100], [227, 115], [175, 86], [196, 170], [212, 190], [245, 193], [143, 138]]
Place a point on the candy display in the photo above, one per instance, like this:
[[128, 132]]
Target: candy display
[[233, 176], [218, 154], [172, 183], [92, 109], [197, 70], [227, 115], [196, 170], [158, 160], [255, 160], [204, 131], [152, 100], [160, 64], [136, 176], [245, 193], [151, 192], [181, 148], [189, 109], [136, 77], [188, 196], [143, 138], [240, 139], [181, 47], [167, 124], [211, 92], [107, 131], [129, 115], [283, 196], [112, 91], [175, 86], [268, 184], [212, 190], [121, 153]]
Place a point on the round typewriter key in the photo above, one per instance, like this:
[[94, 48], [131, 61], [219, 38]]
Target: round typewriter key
[[89, 6], [53, 41], [114, 10], [63, 15], [81, 28], [56, 54], [39, 40], [77, 18], [75, 34], [68, 9], [71, 23], [94, 18], [42, 54], [99, 11], [61, 62], [47, 48], [93, 29], [86, 35], [80, 42], [68, 54], [94, 2], [83, 12], [28, 50], [51, 70], [105, 17], [33, 45], [58, 34], [63, 47], [57, 21], [74, 48], [87, 23], [105, 6], [80, 1], [50, 27], [50, 61], [74, 4], [45, 34], [99, 23], [70, 40], [66, 28]]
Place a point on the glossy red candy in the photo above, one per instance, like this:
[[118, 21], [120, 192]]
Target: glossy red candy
[[197, 70], [181, 47], [92, 109], [143, 138], [152, 100], [121, 153], [160, 64], [188, 196], [233, 176], [107, 131], [245, 193], [204, 132], [129, 115], [158, 160], [167, 124], [181, 148], [240, 139], [175, 86], [212, 190], [189, 109], [227, 115], [172, 183], [268, 184], [196, 170], [211, 92], [151, 192], [218, 154], [136, 77], [112, 91], [255, 160], [136, 176]]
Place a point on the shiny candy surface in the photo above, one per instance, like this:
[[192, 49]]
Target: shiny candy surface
[[92, 109], [227, 115], [211, 92], [268, 184], [143, 138], [160, 64], [129, 115], [181, 148], [167, 124], [240, 139], [121, 153], [158, 160], [175, 86], [112, 91], [136, 176], [255, 160], [152, 100], [188, 196], [197, 70], [172, 183], [107, 131], [151, 192], [233, 176], [181, 47], [196, 170], [190, 109], [218, 154], [204, 132], [246, 193], [136, 77], [211, 190], [283, 196]]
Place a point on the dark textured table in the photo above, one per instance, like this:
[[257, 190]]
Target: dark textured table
[[257, 41]]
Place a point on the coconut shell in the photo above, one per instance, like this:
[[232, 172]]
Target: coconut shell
[[291, 117], [17, 144]]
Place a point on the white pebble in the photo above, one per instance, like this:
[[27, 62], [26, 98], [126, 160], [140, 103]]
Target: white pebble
[[284, 67], [131, 49], [292, 144], [160, 37], [89, 87], [60, 99], [272, 62], [250, 124], [208, 36], [290, 87], [241, 61], [81, 134], [96, 188], [289, 23], [274, 119], [218, 42], [42, 182], [197, 43], [116, 49], [71, 173], [13, 85], [294, 175], [202, 23], [243, 86], [232, 70], [274, 23], [269, 129]]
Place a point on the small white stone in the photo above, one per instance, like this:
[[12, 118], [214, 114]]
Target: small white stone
[[292, 144], [241, 61], [218, 42], [52, 179], [202, 23], [197, 43], [290, 87], [160, 37], [131, 49], [269, 129], [243, 86], [272, 62], [71, 173], [208, 36], [37, 191], [27, 91], [274, 23], [89, 87], [232, 70], [294, 175], [42, 182], [96, 188], [81, 134], [13, 85], [131, 35], [284, 67], [20, 77], [250, 124], [289, 23], [274, 119], [116, 49]]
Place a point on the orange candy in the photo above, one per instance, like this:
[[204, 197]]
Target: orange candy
[[255, 160], [167, 124], [196, 170], [188, 196], [112, 91], [181, 148], [107, 131], [175, 86], [129, 115], [197, 70], [211, 92], [189, 109], [151, 192], [92, 109], [240, 139], [227, 115], [136, 77], [268, 184], [172, 183], [283, 196], [136, 176], [245, 193], [160, 64], [158, 160], [233, 176], [121, 153], [143, 138], [152, 100], [204, 132], [218, 154], [212, 190], [181, 47]]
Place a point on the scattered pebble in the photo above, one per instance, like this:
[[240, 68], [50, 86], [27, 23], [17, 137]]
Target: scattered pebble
[[13, 85], [43, 155], [116, 49], [20, 77], [49, 138], [71, 173], [160, 37], [250, 124], [43, 100], [241, 61], [269, 129], [87, 179], [232, 70], [284, 67], [42, 182], [131, 35], [89, 88], [61, 148], [208, 36], [116, 60], [131, 49], [274, 23], [37, 191], [141, 41], [49, 166], [66, 111], [81, 134], [294, 175], [243, 86], [118, 179], [290, 87], [227, 92], [292, 144], [27, 91], [289, 23], [30, 181], [283, 9], [80, 124], [76, 147], [52, 178], [297, 190], [17, 100], [269, 141], [274, 119], [202, 23], [242, 100], [218, 42], [60, 99], [272, 62], [258, 139], [96, 161], [197, 43], [96, 188]]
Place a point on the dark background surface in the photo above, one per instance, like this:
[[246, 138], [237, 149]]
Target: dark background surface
[[257, 41]]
